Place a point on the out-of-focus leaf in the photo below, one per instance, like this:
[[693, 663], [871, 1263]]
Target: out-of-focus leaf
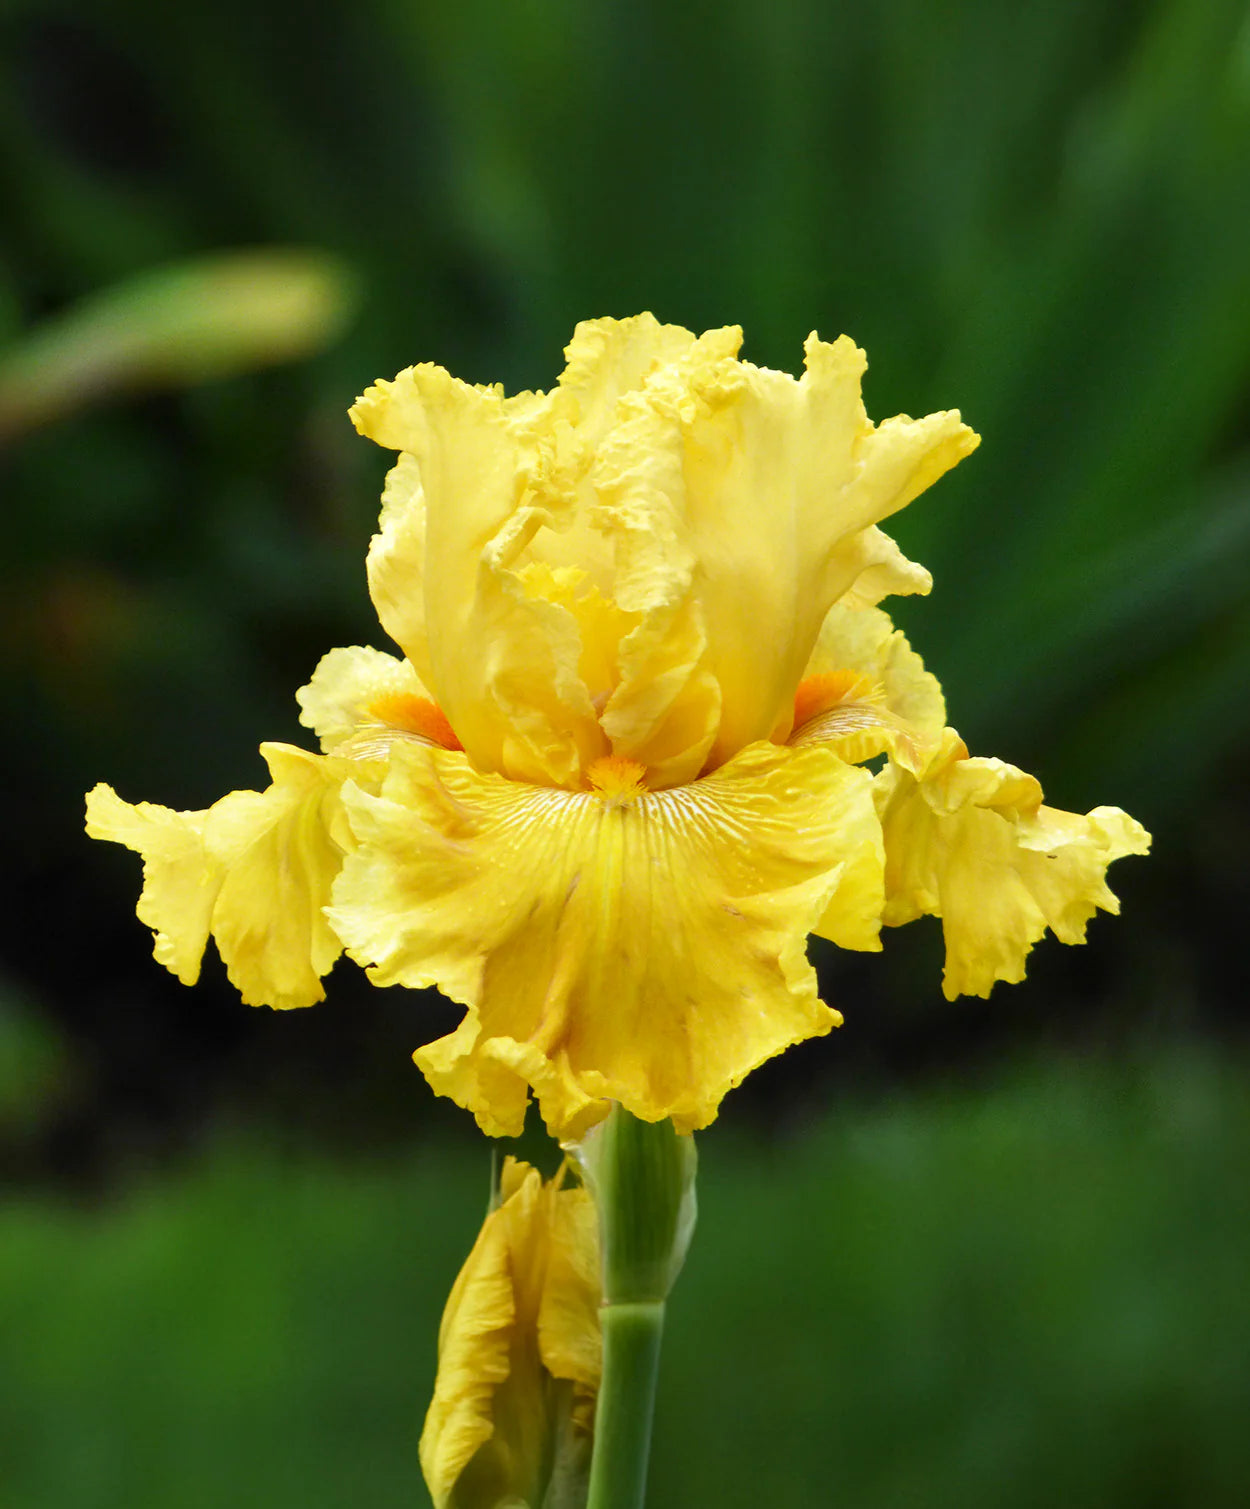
[[211, 317], [34, 1063]]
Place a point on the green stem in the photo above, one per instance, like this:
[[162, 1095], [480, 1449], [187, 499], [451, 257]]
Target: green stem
[[631, 1364], [642, 1177]]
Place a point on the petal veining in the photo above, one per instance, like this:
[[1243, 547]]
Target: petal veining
[[649, 951]]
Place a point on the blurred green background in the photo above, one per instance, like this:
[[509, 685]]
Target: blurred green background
[[982, 1254]]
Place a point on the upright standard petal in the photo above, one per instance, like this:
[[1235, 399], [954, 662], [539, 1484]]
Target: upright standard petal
[[639, 946], [519, 1352], [396, 563], [970, 842], [254, 871], [607, 359], [766, 488], [502, 662]]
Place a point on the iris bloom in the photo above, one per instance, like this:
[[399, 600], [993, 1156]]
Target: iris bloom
[[617, 774], [519, 1354]]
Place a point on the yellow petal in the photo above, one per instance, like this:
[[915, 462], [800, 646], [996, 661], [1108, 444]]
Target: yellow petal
[[608, 358], [254, 870], [522, 1317], [664, 705], [751, 493], [569, 1339], [600, 623], [971, 842], [880, 569], [396, 564], [889, 701], [347, 684], [665, 710], [647, 950], [179, 883], [865, 640], [474, 1352], [501, 662]]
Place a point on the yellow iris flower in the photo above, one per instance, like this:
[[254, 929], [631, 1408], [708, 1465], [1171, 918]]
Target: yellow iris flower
[[617, 775], [519, 1354]]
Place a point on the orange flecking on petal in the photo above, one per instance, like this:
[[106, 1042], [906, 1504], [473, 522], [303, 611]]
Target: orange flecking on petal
[[850, 712], [820, 694], [415, 715]]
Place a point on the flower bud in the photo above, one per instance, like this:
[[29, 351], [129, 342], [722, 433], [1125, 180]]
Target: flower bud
[[519, 1355]]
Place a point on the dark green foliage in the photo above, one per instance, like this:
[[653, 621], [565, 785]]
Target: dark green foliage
[[1015, 1296], [1038, 212]]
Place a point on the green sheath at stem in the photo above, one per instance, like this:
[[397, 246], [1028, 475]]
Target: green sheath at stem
[[631, 1364], [642, 1177]]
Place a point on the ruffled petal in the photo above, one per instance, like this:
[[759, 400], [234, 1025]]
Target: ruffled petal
[[179, 886], [605, 360], [649, 950], [345, 688], [879, 569], [523, 1314], [752, 493], [254, 871], [971, 842], [663, 705], [608, 358], [865, 691], [665, 710], [601, 625], [501, 661]]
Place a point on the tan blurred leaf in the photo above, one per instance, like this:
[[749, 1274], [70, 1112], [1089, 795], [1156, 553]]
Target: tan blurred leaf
[[173, 326]]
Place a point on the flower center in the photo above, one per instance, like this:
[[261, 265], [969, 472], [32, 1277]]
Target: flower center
[[617, 781], [415, 715]]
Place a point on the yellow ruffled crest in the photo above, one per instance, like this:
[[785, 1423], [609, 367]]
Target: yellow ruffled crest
[[254, 871], [970, 842], [606, 359], [519, 1352], [649, 950], [751, 493], [703, 496], [500, 661]]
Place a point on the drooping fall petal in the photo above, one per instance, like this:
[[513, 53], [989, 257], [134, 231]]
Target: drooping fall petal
[[647, 948], [254, 871], [971, 842]]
